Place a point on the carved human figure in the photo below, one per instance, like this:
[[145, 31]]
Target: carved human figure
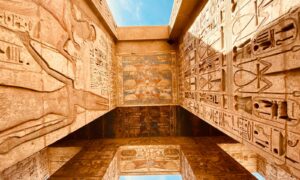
[[26, 113], [25, 109]]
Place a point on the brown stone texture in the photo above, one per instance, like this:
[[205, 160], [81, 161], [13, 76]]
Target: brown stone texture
[[272, 171], [40, 165], [175, 10], [145, 121], [56, 73], [242, 154], [33, 167], [239, 71], [110, 158], [58, 156], [234, 64], [148, 79]]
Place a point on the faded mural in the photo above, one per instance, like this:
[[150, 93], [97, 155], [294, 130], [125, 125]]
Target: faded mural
[[239, 71], [148, 79]]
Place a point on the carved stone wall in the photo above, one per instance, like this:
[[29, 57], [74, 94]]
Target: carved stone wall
[[193, 158], [58, 156], [145, 121], [148, 79], [151, 159], [239, 71], [40, 165], [242, 154], [272, 171], [33, 167], [56, 73], [174, 13]]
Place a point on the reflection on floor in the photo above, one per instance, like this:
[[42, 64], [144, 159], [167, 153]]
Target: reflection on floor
[[258, 176], [191, 157], [154, 177]]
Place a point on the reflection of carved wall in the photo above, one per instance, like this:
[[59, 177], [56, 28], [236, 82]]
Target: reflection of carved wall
[[33, 167], [55, 73], [149, 159], [148, 79], [242, 154], [193, 158], [272, 171], [108, 159], [239, 71]]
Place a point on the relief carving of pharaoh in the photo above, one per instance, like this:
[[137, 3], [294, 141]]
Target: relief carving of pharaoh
[[42, 44]]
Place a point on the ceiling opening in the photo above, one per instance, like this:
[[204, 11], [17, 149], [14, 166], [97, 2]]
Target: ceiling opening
[[141, 12]]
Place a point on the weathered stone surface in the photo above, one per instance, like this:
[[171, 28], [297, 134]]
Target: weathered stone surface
[[236, 67], [238, 71], [33, 167], [194, 158], [54, 61], [148, 79]]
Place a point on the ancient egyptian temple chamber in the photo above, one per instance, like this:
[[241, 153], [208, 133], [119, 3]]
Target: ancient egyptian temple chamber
[[215, 94]]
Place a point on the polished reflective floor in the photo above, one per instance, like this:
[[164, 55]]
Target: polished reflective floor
[[152, 177]]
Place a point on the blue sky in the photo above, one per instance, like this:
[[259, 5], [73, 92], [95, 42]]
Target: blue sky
[[167, 177], [141, 12]]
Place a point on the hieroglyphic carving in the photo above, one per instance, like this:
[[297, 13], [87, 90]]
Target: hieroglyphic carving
[[149, 159], [252, 92], [45, 59], [105, 12], [99, 65], [10, 52], [15, 21], [33, 167], [190, 157], [148, 79], [145, 121], [272, 171], [292, 150]]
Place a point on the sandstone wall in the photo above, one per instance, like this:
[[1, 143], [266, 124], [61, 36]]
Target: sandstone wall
[[57, 68], [33, 167], [193, 158], [272, 171], [239, 71], [147, 72], [40, 165], [145, 121]]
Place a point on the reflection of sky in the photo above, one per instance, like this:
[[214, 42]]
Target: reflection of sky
[[155, 177], [258, 176]]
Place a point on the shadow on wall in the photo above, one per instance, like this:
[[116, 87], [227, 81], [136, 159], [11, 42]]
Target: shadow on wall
[[244, 79], [154, 121]]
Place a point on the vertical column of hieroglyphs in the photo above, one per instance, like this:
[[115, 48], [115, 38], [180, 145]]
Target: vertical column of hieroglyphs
[[249, 58], [203, 66], [54, 74], [265, 72]]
